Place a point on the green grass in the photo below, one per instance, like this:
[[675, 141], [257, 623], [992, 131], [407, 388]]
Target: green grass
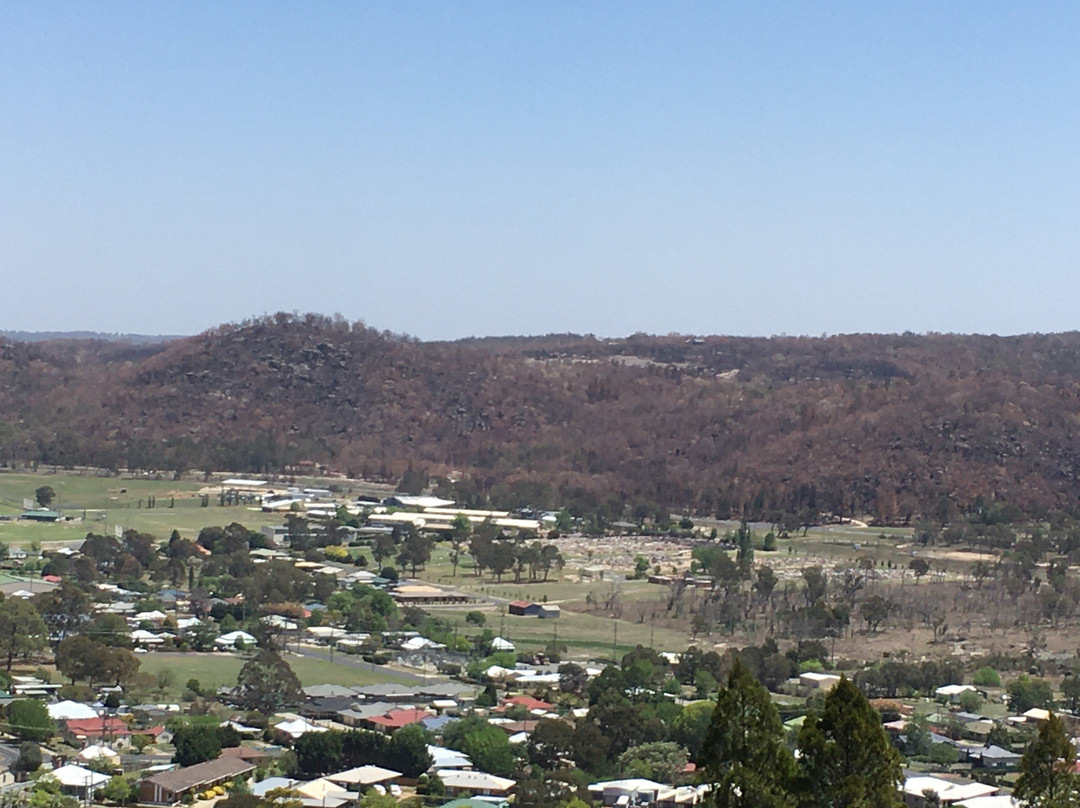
[[215, 670], [99, 504]]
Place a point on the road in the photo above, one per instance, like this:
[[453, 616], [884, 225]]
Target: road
[[349, 660]]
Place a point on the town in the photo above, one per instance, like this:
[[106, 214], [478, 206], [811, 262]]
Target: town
[[370, 649]]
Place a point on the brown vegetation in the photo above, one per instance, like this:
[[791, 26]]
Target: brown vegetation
[[891, 426]]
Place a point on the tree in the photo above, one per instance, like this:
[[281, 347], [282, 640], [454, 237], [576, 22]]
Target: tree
[[64, 609], [662, 761], [415, 551], [1047, 776], [744, 755], [1025, 693], [45, 496], [489, 751], [874, 610], [21, 629], [29, 759], [196, 743], [408, 753], [460, 531], [847, 759], [919, 566], [1070, 689], [550, 742], [987, 677], [266, 683], [118, 789], [28, 720]]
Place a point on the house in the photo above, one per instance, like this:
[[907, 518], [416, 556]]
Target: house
[[75, 781], [993, 757], [363, 777], [443, 758], [460, 782], [396, 719], [634, 790], [954, 692], [168, 788], [548, 611], [294, 729], [812, 680], [96, 729], [523, 608], [528, 702], [70, 710], [949, 790], [229, 641]]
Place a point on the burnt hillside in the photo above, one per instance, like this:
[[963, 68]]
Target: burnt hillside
[[891, 426]]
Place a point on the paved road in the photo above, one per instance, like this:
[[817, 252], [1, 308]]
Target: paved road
[[351, 661]]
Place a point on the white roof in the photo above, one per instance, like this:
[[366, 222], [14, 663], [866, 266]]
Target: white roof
[[231, 638], [1037, 714], [418, 643], [71, 710], [154, 615], [77, 777], [141, 635], [992, 801], [480, 781], [98, 750], [364, 775], [241, 481], [499, 644], [953, 690], [948, 790], [298, 727], [444, 758], [630, 785], [188, 622], [814, 676]]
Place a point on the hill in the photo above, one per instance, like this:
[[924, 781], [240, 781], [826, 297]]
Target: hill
[[892, 426]]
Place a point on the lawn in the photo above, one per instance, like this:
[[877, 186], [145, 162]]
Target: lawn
[[217, 669], [99, 504]]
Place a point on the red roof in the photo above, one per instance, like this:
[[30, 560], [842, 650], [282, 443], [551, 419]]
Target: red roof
[[53, 579], [98, 727], [522, 603], [528, 702], [400, 718]]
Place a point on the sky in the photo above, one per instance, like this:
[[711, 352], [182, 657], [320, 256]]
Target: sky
[[450, 169]]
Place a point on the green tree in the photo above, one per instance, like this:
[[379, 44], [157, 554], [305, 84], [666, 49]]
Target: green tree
[[987, 677], [744, 756], [550, 742], [117, 790], [45, 496], [29, 759], [490, 751], [1070, 689], [1047, 777], [407, 751], [28, 720], [847, 759], [662, 761], [1026, 692], [196, 743], [266, 683], [415, 551], [21, 629], [460, 531]]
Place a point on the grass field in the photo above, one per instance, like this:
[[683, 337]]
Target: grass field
[[99, 504], [215, 670]]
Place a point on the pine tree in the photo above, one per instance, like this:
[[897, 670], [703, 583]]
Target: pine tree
[[846, 758], [1047, 776], [744, 756]]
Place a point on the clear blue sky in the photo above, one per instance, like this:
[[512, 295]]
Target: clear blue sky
[[452, 168]]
